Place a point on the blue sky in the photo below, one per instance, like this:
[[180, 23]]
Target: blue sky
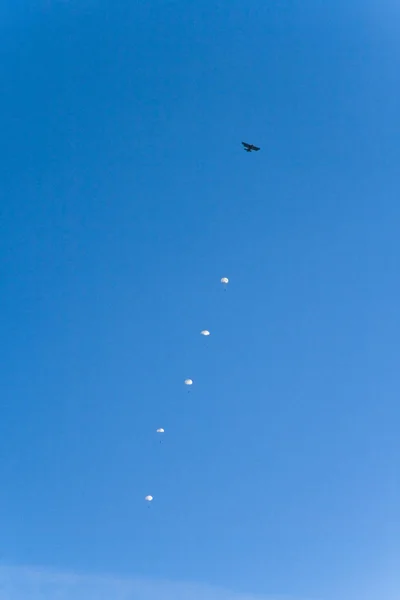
[[125, 197]]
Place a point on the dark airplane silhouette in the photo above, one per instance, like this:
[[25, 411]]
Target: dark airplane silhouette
[[250, 147]]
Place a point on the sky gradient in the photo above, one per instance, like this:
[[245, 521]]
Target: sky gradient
[[125, 197]]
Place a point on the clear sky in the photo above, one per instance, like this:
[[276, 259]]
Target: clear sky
[[125, 197]]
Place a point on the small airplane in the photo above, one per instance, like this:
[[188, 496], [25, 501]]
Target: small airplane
[[250, 147]]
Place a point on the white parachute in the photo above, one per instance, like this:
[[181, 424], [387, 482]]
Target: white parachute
[[188, 382]]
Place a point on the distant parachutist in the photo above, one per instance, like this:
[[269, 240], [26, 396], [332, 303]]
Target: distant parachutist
[[224, 281]]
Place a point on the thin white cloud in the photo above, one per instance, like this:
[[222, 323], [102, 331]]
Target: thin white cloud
[[24, 583]]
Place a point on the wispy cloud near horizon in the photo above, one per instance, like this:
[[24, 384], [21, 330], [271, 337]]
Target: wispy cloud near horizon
[[34, 583]]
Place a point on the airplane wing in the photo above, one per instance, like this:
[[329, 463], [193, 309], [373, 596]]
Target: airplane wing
[[255, 148], [246, 145]]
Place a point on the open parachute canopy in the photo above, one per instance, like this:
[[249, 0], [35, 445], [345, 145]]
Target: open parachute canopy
[[188, 383]]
